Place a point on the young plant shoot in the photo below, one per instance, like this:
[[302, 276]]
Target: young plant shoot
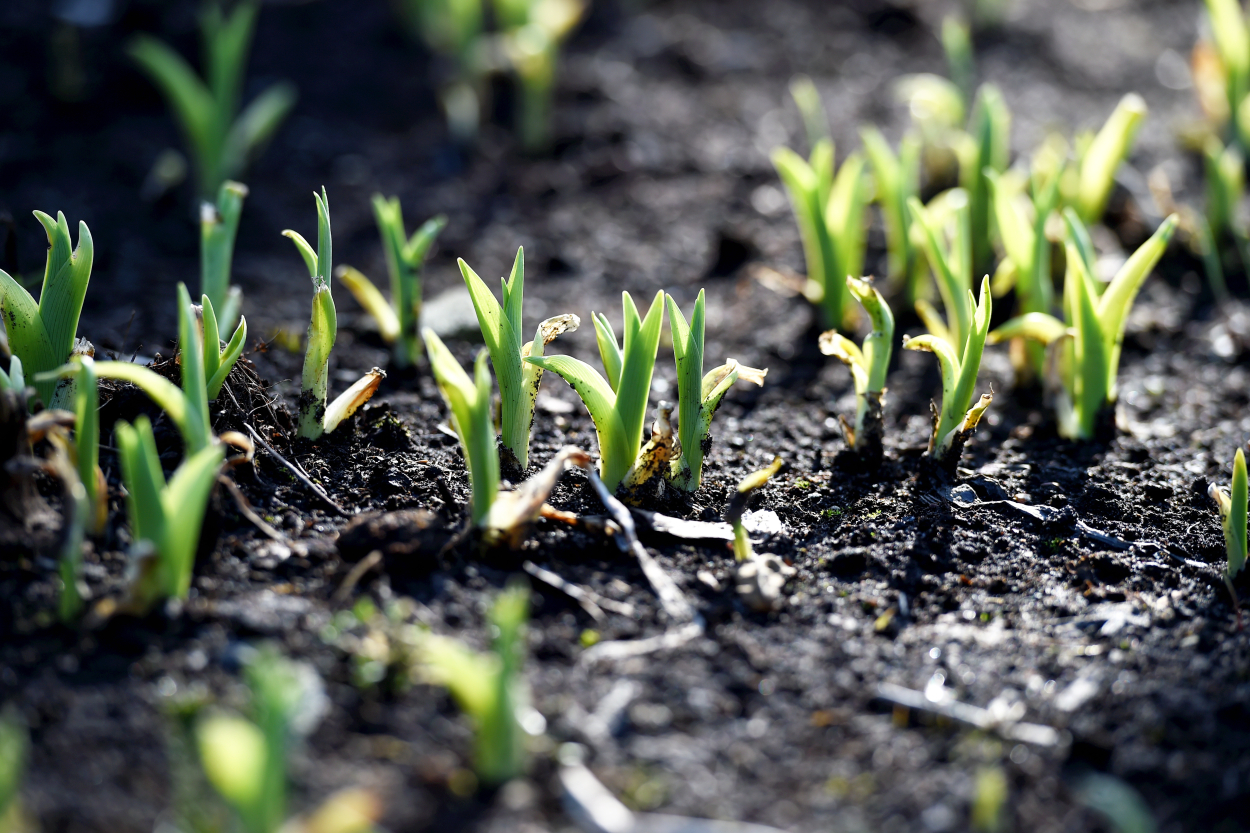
[[405, 256], [1102, 155], [43, 335], [738, 505], [1027, 261], [1082, 383], [868, 370], [1223, 224], [489, 687], [15, 379], [945, 232], [245, 759], [186, 406], [1233, 518], [829, 210], [617, 404], [165, 517], [219, 360], [897, 181], [985, 148], [222, 140], [955, 421], [219, 223], [502, 327], [532, 32], [698, 394], [500, 517], [1222, 79], [315, 417]]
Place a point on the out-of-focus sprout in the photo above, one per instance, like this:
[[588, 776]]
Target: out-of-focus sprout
[[502, 327], [532, 33], [1027, 258], [1233, 518], [1222, 75], [945, 234], [78, 515], [957, 44], [1223, 223], [315, 416], [698, 395], [245, 759], [830, 214], [897, 181], [985, 148], [222, 139], [43, 335], [453, 29], [1101, 158], [617, 404], [14, 746], [868, 370], [405, 256], [1083, 381], [738, 505], [219, 223], [957, 418], [488, 687]]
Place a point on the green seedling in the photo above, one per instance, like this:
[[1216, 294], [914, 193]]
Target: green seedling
[[698, 394], [488, 687], [219, 360], [186, 406], [944, 229], [738, 504], [315, 416], [1087, 359], [86, 449], [15, 379], [868, 370], [1223, 224], [1100, 157], [78, 515], [219, 223], [501, 517], [897, 181], [245, 760], [957, 44], [42, 335], [1233, 518], [1222, 79], [165, 517], [957, 418], [984, 148], [1028, 256], [405, 256], [830, 215], [222, 139], [469, 401], [502, 327], [618, 404], [532, 32], [14, 748], [811, 109]]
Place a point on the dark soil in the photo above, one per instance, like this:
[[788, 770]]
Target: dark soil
[[1125, 641]]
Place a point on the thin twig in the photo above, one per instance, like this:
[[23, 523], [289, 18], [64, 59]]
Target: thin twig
[[373, 559], [671, 598], [298, 472], [246, 510], [591, 602]]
